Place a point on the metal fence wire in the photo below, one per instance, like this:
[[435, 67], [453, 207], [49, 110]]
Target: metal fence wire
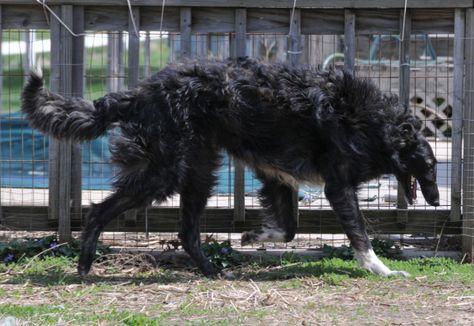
[[25, 153]]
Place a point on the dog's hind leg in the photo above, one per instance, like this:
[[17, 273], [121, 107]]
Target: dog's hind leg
[[97, 219], [195, 191], [278, 207], [344, 202]]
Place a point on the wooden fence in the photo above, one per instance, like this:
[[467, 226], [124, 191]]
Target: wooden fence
[[239, 19]]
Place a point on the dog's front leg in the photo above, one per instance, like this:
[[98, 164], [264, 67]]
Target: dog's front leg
[[343, 200]]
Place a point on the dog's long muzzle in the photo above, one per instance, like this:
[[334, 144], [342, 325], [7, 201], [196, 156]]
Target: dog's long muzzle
[[430, 192], [428, 188]]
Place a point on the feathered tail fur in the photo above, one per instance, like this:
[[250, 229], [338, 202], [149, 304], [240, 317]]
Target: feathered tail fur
[[65, 118]]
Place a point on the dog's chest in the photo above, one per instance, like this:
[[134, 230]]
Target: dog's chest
[[311, 179]]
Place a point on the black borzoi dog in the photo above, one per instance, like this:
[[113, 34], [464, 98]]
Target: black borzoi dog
[[290, 124]]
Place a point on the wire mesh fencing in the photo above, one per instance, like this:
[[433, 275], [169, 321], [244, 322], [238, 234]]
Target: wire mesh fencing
[[25, 153]]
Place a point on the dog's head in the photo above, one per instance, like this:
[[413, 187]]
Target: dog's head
[[415, 158]]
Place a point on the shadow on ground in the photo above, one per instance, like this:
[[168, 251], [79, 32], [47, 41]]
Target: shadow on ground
[[267, 270]]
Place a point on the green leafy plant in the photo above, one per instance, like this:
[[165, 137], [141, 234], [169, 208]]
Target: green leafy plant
[[343, 252], [220, 254], [386, 248], [18, 249]]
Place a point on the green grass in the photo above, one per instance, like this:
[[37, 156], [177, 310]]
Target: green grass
[[336, 269], [48, 292], [66, 314], [50, 314]]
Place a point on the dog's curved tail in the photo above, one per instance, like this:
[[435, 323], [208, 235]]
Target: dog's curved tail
[[65, 118]]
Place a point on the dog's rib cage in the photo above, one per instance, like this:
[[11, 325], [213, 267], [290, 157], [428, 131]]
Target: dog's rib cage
[[25, 153]]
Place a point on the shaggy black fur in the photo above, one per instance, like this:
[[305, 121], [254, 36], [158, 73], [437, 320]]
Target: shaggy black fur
[[290, 124]]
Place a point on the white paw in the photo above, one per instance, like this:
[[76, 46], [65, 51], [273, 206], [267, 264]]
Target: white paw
[[227, 275], [369, 260], [398, 273], [263, 235]]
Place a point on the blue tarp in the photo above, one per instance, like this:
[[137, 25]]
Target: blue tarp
[[24, 160], [24, 157]]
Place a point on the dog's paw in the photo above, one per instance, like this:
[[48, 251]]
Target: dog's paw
[[248, 237], [398, 273], [210, 270], [83, 270], [227, 275]]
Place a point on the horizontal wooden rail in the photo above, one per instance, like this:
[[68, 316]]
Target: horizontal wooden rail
[[34, 218], [266, 3], [222, 20]]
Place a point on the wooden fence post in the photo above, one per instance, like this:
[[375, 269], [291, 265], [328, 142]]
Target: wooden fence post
[[295, 44], [468, 135], [28, 56], [239, 48], [114, 61], [404, 94], [77, 90], [349, 40], [185, 32], [294, 55], [134, 49], [147, 56], [133, 74], [185, 38], [456, 128], [53, 165], [1, 104], [61, 150]]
